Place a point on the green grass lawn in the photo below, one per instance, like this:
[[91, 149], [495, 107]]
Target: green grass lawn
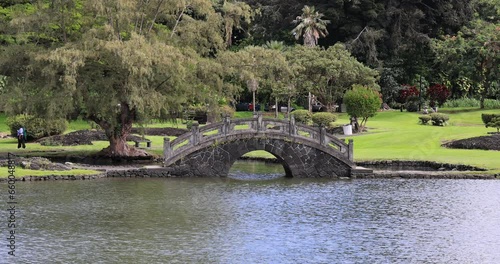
[[394, 135], [391, 135], [20, 172]]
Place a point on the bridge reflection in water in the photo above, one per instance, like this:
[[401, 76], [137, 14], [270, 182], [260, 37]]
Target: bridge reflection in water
[[303, 151]]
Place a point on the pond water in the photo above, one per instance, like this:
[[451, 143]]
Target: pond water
[[256, 219]]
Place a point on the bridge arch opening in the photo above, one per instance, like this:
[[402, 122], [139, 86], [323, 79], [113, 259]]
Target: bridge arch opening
[[259, 165]]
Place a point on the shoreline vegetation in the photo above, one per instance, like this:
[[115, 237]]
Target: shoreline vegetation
[[392, 137]]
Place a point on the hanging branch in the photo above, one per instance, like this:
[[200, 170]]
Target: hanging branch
[[359, 35], [178, 19], [156, 15]]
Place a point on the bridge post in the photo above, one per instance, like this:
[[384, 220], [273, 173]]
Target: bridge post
[[226, 126], [292, 128], [195, 134], [322, 135], [260, 123], [350, 153], [167, 148]]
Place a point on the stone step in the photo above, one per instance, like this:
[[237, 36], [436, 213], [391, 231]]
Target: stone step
[[361, 170]]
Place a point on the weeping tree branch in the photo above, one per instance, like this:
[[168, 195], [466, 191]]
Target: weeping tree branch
[[177, 21], [359, 35]]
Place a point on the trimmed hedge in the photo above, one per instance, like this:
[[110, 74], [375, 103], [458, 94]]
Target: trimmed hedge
[[439, 119], [323, 118], [36, 127], [302, 116], [491, 120], [488, 117], [424, 119]]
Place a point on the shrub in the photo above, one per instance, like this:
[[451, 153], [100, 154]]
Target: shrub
[[302, 116], [407, 92], [494, 122], [491, 104], [487, 117], [412, 104], [323, 118], [424, 119], [438, 93], [362, 102], [491, 120], [36, 127], [439, 119], [226, 110], [462, 102]]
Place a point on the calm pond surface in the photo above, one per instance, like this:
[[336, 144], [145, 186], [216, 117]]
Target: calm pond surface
[[256, 219]]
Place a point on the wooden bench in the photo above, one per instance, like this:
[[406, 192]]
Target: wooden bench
[[138, 143]]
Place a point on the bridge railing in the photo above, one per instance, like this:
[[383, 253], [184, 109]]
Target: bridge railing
[[257, 124]]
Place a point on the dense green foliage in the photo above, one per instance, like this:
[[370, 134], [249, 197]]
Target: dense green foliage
[[439, 119], [471, 102], [488, 118], [362, 102], [424, 119], [323, 118], [36, 127], [494, 122], [302, 116], [121, 62]]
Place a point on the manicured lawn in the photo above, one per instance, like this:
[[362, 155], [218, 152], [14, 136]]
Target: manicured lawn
[[19, 172], [394, 135]]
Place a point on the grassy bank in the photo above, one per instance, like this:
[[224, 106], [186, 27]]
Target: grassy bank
[[20, 172], [391, 135], [394, 135]]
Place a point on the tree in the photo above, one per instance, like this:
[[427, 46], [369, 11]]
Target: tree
[[329, 73], [310, 26], [268, 67], [234, 14], [473, 55], [362, 102], [116, 73]]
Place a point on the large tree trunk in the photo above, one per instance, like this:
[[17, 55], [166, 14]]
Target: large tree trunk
[[117, 134], [118, 147]]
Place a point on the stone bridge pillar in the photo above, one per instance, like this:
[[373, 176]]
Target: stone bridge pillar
[[195, 136], [292, 128], [167, 148]]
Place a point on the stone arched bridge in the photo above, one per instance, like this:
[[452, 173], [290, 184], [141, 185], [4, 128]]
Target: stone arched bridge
[[303, 151]]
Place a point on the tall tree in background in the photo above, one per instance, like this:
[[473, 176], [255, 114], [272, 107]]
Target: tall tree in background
[[310, 26], [329, 73], [234, 14], [473, 55]]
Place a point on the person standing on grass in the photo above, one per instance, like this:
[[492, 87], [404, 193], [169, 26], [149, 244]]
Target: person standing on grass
[[21, 137]]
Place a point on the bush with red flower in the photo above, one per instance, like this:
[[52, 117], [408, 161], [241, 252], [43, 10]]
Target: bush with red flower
[[406, 92], [438, 93], [409, 98]]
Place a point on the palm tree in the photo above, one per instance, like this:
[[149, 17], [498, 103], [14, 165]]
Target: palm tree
[[275, 45], [310, 26]]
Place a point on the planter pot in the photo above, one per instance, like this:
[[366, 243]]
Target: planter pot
[[347, 129]]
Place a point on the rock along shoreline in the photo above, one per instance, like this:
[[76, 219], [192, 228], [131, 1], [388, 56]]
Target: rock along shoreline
[[381, 170]]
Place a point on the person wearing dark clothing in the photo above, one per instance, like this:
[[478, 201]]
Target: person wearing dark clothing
[[21, 138]]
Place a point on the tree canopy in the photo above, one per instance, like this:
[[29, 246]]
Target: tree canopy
[[118, 62]]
